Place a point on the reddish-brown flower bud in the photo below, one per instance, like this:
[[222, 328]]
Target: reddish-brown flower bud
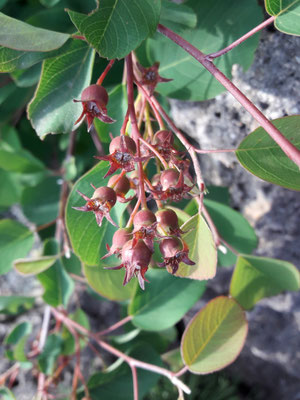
[[121, 186], [169, 178], [168, 221], [122, 149], [103, 199], [135, 260], [164, 138], [120, 238], [144, 223], [122, 144], [174, 251], [94, 99], [150, 76]]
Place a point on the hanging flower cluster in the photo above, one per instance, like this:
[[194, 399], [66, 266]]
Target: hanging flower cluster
[[134, 245]]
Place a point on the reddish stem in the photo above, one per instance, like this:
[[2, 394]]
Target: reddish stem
[[161, 159], [132, 362], [241, 39], [115, 326], [135, 131], [135, 383], [287, 147], [105, 72]]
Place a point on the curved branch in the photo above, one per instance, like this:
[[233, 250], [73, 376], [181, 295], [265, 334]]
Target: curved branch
[[289, 149]]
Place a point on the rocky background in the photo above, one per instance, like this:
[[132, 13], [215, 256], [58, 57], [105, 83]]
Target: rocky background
[[271, 357]]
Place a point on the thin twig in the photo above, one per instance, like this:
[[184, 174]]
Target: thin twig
[[130, 360], [241, 39], [135, 131], [135, 383], [115, 326], [289, 149], [104, 73]]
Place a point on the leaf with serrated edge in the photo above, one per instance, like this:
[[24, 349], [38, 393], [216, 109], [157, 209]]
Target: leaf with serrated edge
[[18, 35], [202, 250], [260, 155], [257, 277], [63, 78], [117, 27], [215, 336]]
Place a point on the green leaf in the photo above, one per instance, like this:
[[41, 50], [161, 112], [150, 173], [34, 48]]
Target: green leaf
[[57, 283], [202, 250], [72, 264], [63, 78], [287, 15], [27, 77], [49, 3], [87, 238], [6, 394], [11, 188], [233, 227], [34, 266], [20, 161], [165, 300], [10, 59], [257, 277], [13, 339], [18, 35], [218, 24], [40, 203], [15, 242], [13, 305], [177, 16], [50, 353], [260, 155], [107, 283], [118, 27], [215, 336]]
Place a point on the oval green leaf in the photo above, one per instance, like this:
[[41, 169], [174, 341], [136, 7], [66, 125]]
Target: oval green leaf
[[287, 15], [218, 24], [27, 266], [63, 78], [202, 250], [109, 284], [215, 336], [165, 300], [260, 155], [257, 277], [87, 238], [15, 242], [118, 27], [18, 35]]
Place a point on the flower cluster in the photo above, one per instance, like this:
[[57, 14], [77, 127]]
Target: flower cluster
[[134, 245]]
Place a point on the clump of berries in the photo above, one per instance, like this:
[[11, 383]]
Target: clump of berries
[[134, 245]]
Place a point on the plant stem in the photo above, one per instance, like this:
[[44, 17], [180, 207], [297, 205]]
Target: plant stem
[[135, 131], [241, 39], [161, 159], [135, 383], [132, 362], [105, 72], [115, 326], [289, 149]]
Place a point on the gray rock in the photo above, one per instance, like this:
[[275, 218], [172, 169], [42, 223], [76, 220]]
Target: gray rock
[[271, 356]]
